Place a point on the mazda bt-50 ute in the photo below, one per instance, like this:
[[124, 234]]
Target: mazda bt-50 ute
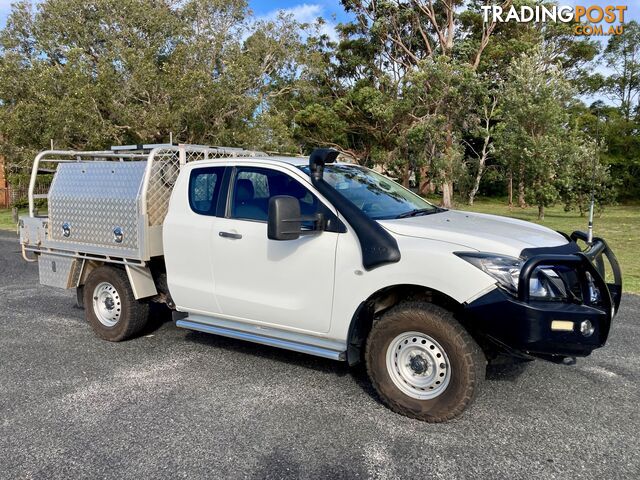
[[321, 257]]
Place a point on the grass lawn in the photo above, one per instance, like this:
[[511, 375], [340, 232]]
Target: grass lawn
[[6, 222], [619, 225]]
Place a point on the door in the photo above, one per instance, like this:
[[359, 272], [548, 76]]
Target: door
[[280, 283], [188, 238]]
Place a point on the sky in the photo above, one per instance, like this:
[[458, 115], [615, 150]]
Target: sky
[[309, 10], [305, 12]]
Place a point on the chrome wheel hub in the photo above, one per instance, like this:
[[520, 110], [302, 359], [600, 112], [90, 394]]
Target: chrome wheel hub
[[418, 365], [106, 304]]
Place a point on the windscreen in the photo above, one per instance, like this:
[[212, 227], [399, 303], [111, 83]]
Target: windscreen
[[375, 195]]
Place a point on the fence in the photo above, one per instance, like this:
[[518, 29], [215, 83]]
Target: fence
[[11, 196]]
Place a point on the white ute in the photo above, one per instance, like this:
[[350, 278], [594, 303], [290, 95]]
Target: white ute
[[326, 258]]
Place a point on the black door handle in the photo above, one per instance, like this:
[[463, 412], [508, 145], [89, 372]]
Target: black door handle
[[235, 236]]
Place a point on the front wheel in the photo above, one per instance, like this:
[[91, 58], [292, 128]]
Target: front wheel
[[423, 363], [110, 306]]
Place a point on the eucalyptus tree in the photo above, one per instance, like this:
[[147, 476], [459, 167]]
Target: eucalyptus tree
[[409, 37], [358, 107], [534, 137]]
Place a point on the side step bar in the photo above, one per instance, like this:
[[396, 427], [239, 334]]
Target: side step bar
[[262, 339]]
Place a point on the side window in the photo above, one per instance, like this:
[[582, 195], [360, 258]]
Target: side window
[[204, 189], [253, 187]]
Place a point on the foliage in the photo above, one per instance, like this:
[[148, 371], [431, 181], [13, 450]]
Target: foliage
[[425, 91], [536, 139], [622, 56], [93, 74]]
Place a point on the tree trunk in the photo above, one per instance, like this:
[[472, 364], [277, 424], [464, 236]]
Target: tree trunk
[[423, 186], [484, 153], [521, 200], [540, 212], [447, 194], [510, 189], [406, 173], [476, 184]]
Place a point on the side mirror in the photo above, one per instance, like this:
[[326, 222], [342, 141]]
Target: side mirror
[[285, 221], [284, 218]]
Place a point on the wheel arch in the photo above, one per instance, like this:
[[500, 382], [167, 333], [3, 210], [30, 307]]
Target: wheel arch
[[88, 266], [382, 300], [140, 277]]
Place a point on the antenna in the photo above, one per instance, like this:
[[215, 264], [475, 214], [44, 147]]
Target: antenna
[[593, 179]]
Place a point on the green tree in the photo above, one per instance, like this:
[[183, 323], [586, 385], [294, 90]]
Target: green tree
[[442, 100], [585, 175], [619, 144], [406, 38], [533, 132], [622, 56]]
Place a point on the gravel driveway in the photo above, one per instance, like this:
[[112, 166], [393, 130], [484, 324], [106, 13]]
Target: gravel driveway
[[175, 403]]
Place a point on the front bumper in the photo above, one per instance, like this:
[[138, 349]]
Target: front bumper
[[523, 326]]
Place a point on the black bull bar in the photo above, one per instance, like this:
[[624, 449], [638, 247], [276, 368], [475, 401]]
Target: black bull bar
[[592, 261], [524, 324]]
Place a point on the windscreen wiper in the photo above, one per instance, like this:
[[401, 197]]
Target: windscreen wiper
[[420, 211]]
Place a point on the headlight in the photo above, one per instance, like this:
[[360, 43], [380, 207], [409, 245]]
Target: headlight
[[545, 282], [506, 270], [594, 292]]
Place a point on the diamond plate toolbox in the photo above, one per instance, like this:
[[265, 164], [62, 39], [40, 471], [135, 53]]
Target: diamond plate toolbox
[[58, 271], [97, 205]]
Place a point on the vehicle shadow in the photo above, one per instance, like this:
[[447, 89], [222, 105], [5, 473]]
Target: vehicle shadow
[[358, 372], [506, 369], [159, 314], [269, 353], [338, 368], [502, 369]]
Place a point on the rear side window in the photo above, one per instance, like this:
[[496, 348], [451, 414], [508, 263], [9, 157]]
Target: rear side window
[[204, 189], [254, 187]]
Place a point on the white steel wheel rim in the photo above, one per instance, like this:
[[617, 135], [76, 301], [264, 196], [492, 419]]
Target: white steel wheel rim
[[418, 365], [106, 304]]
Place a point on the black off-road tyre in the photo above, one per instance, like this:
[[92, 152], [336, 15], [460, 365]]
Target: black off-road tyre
[[80, 297], [132, 315], [466, 361]]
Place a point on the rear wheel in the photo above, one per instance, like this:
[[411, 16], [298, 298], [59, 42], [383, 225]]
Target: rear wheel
[[110, 306], [422, 363]]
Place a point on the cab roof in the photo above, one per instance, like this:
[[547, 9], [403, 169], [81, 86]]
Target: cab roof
[[296, 161]]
